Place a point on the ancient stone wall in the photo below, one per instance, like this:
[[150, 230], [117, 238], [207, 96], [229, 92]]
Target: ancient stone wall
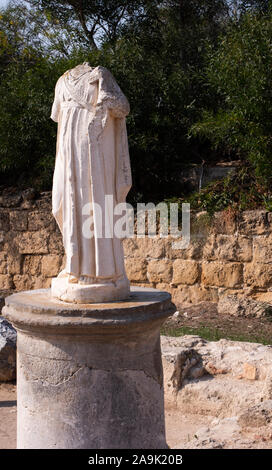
[[232, 253]]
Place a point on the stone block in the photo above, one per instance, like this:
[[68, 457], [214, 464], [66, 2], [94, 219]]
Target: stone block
[[136, 269], [222, 274], [253, 222], [144, 247], [249, 371], [258, 274], [18, 220], [32, 265], [10, 200], [228, 247], [185, 295], [3, 263], [4, 221], [41, 282], [194, 250], [224, 222], [269, 219], [15, 262], [23, 282], [5, 282], [32, 242], [262, 249], [51, 265], [55, 244], [38, 220], [185, 271], [159, 271]]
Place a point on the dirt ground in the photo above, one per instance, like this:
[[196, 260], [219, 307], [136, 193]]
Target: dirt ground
[[7, 416], [204, 320]]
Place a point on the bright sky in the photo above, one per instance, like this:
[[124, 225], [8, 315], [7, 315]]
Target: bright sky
[[3, 3]]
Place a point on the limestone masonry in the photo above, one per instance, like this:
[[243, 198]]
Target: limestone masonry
[[232, 253]]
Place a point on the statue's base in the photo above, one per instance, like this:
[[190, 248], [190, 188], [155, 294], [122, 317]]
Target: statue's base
[[89, 293], [89, 376]]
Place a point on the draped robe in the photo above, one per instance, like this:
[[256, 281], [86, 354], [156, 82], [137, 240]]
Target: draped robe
[[92, 160]]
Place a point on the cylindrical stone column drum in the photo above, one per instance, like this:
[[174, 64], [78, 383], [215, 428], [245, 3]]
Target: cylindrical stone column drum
[[89, 376]]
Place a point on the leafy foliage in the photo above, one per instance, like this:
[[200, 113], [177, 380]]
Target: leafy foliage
[[239, 191], [184, 65], [239, 72], [146, 61]]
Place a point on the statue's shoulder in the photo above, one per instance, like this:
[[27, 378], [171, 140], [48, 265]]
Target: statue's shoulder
[[102, 71]]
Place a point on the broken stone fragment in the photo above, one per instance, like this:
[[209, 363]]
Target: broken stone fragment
[[7, 351]]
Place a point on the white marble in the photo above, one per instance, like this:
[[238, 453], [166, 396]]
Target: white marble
[[92, 161]]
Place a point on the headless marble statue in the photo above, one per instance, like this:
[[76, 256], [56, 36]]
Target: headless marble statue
[[92, 174]]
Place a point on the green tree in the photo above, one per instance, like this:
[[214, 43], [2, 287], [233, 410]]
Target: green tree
[[239, 73], [94, 21], [156, 50], [161, 81]]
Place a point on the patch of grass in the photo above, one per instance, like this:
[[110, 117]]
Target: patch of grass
[[213, 334]]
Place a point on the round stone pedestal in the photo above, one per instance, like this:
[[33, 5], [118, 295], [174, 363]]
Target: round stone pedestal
[[89, 376]]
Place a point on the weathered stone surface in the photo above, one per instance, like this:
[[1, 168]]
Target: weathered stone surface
[[187, 364], [4, 221], [5, 282], [185, 295], [3, 263], [32, 242], [222, 274], [145, 247], [235, 376], [50, 265], [38, 220], [230, 248], [201, 226], [159, 271], [15, 262], [29, 194], [257, 274], [10, 200], [249, 371], [40, 282], [256, 416], [22, 282], [262, 247], [194, 250], [185, 272], [2, 240], [32, 264], [55, 243], [7, 351], [18, 220], [136, 269], [253, 222], [243, 306], [224, 222]]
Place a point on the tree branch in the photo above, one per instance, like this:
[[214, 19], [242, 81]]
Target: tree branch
[[81, 16]]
